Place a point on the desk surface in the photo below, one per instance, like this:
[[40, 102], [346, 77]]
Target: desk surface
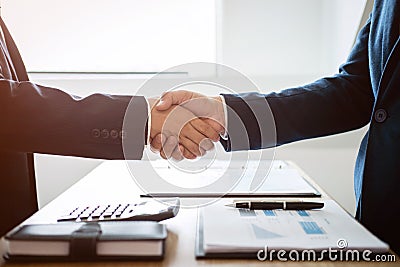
[[112, 181]]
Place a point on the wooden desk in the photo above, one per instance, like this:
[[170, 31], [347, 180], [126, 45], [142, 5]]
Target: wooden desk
[[112, 181]]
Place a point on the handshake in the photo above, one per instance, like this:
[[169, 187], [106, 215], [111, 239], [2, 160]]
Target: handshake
[[185, 124]]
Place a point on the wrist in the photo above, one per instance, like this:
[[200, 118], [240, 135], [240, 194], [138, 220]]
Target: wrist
[[219, 110]]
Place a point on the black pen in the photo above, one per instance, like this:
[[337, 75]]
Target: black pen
[[284, 205]]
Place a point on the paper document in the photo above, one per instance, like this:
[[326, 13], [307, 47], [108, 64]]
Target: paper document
[[231, 230], [256, 177]]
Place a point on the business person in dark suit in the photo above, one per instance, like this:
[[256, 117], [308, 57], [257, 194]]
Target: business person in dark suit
[[365, 91], [35, 118]]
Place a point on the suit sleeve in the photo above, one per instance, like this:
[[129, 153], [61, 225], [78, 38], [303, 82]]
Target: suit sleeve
[[40, 119], [327, 106]]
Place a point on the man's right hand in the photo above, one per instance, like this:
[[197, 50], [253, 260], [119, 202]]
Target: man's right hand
[[173, 124], [210, 109]]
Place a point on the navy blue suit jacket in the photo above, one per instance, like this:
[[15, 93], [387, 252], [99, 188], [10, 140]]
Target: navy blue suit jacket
[[365, 91]]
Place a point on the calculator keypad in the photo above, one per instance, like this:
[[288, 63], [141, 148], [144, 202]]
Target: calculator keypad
[[100, 212]]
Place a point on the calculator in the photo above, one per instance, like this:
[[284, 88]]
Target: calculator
[[149, 210]]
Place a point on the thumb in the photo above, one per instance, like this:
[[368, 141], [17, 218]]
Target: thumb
[[165, 102], [173, 98]]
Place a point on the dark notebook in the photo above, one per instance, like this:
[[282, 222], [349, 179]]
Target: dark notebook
[[71, 241]]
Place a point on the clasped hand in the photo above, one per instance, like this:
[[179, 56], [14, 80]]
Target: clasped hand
[[185, 124]]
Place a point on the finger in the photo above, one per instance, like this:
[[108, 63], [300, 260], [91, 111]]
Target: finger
[[169, 146], [162, 154], [173, 98], [206, 129], [186, 153], [202, 151], [165, 102], [156, 143], [215, 125], [163, 140], [176, 154], [190, 145], [196, 137]]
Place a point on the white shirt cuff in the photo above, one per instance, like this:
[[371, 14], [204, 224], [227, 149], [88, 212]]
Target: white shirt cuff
[[148, 122], [225, 134]]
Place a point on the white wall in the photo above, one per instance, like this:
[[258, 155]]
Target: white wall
[[304, 38], [111, 35], [278, 44]]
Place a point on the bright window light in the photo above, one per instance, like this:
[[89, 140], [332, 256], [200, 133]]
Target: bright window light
[[111, 36]]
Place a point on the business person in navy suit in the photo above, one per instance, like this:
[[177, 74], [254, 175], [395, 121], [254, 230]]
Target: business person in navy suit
[[366, 90]]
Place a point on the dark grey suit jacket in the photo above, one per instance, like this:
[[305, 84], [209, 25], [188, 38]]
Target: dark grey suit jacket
[[35, 118], [365, 91]]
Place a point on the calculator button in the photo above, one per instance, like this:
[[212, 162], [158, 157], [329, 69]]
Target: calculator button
[[79, 211], [108, 213], [128, 213], [120, 208], [112, 208], [103, 207], [67, 218], [119, 211], [84, 215]]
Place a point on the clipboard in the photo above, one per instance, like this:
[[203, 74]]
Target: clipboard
[[199, 246], [230, 195], [282, 180], [298, 230]]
